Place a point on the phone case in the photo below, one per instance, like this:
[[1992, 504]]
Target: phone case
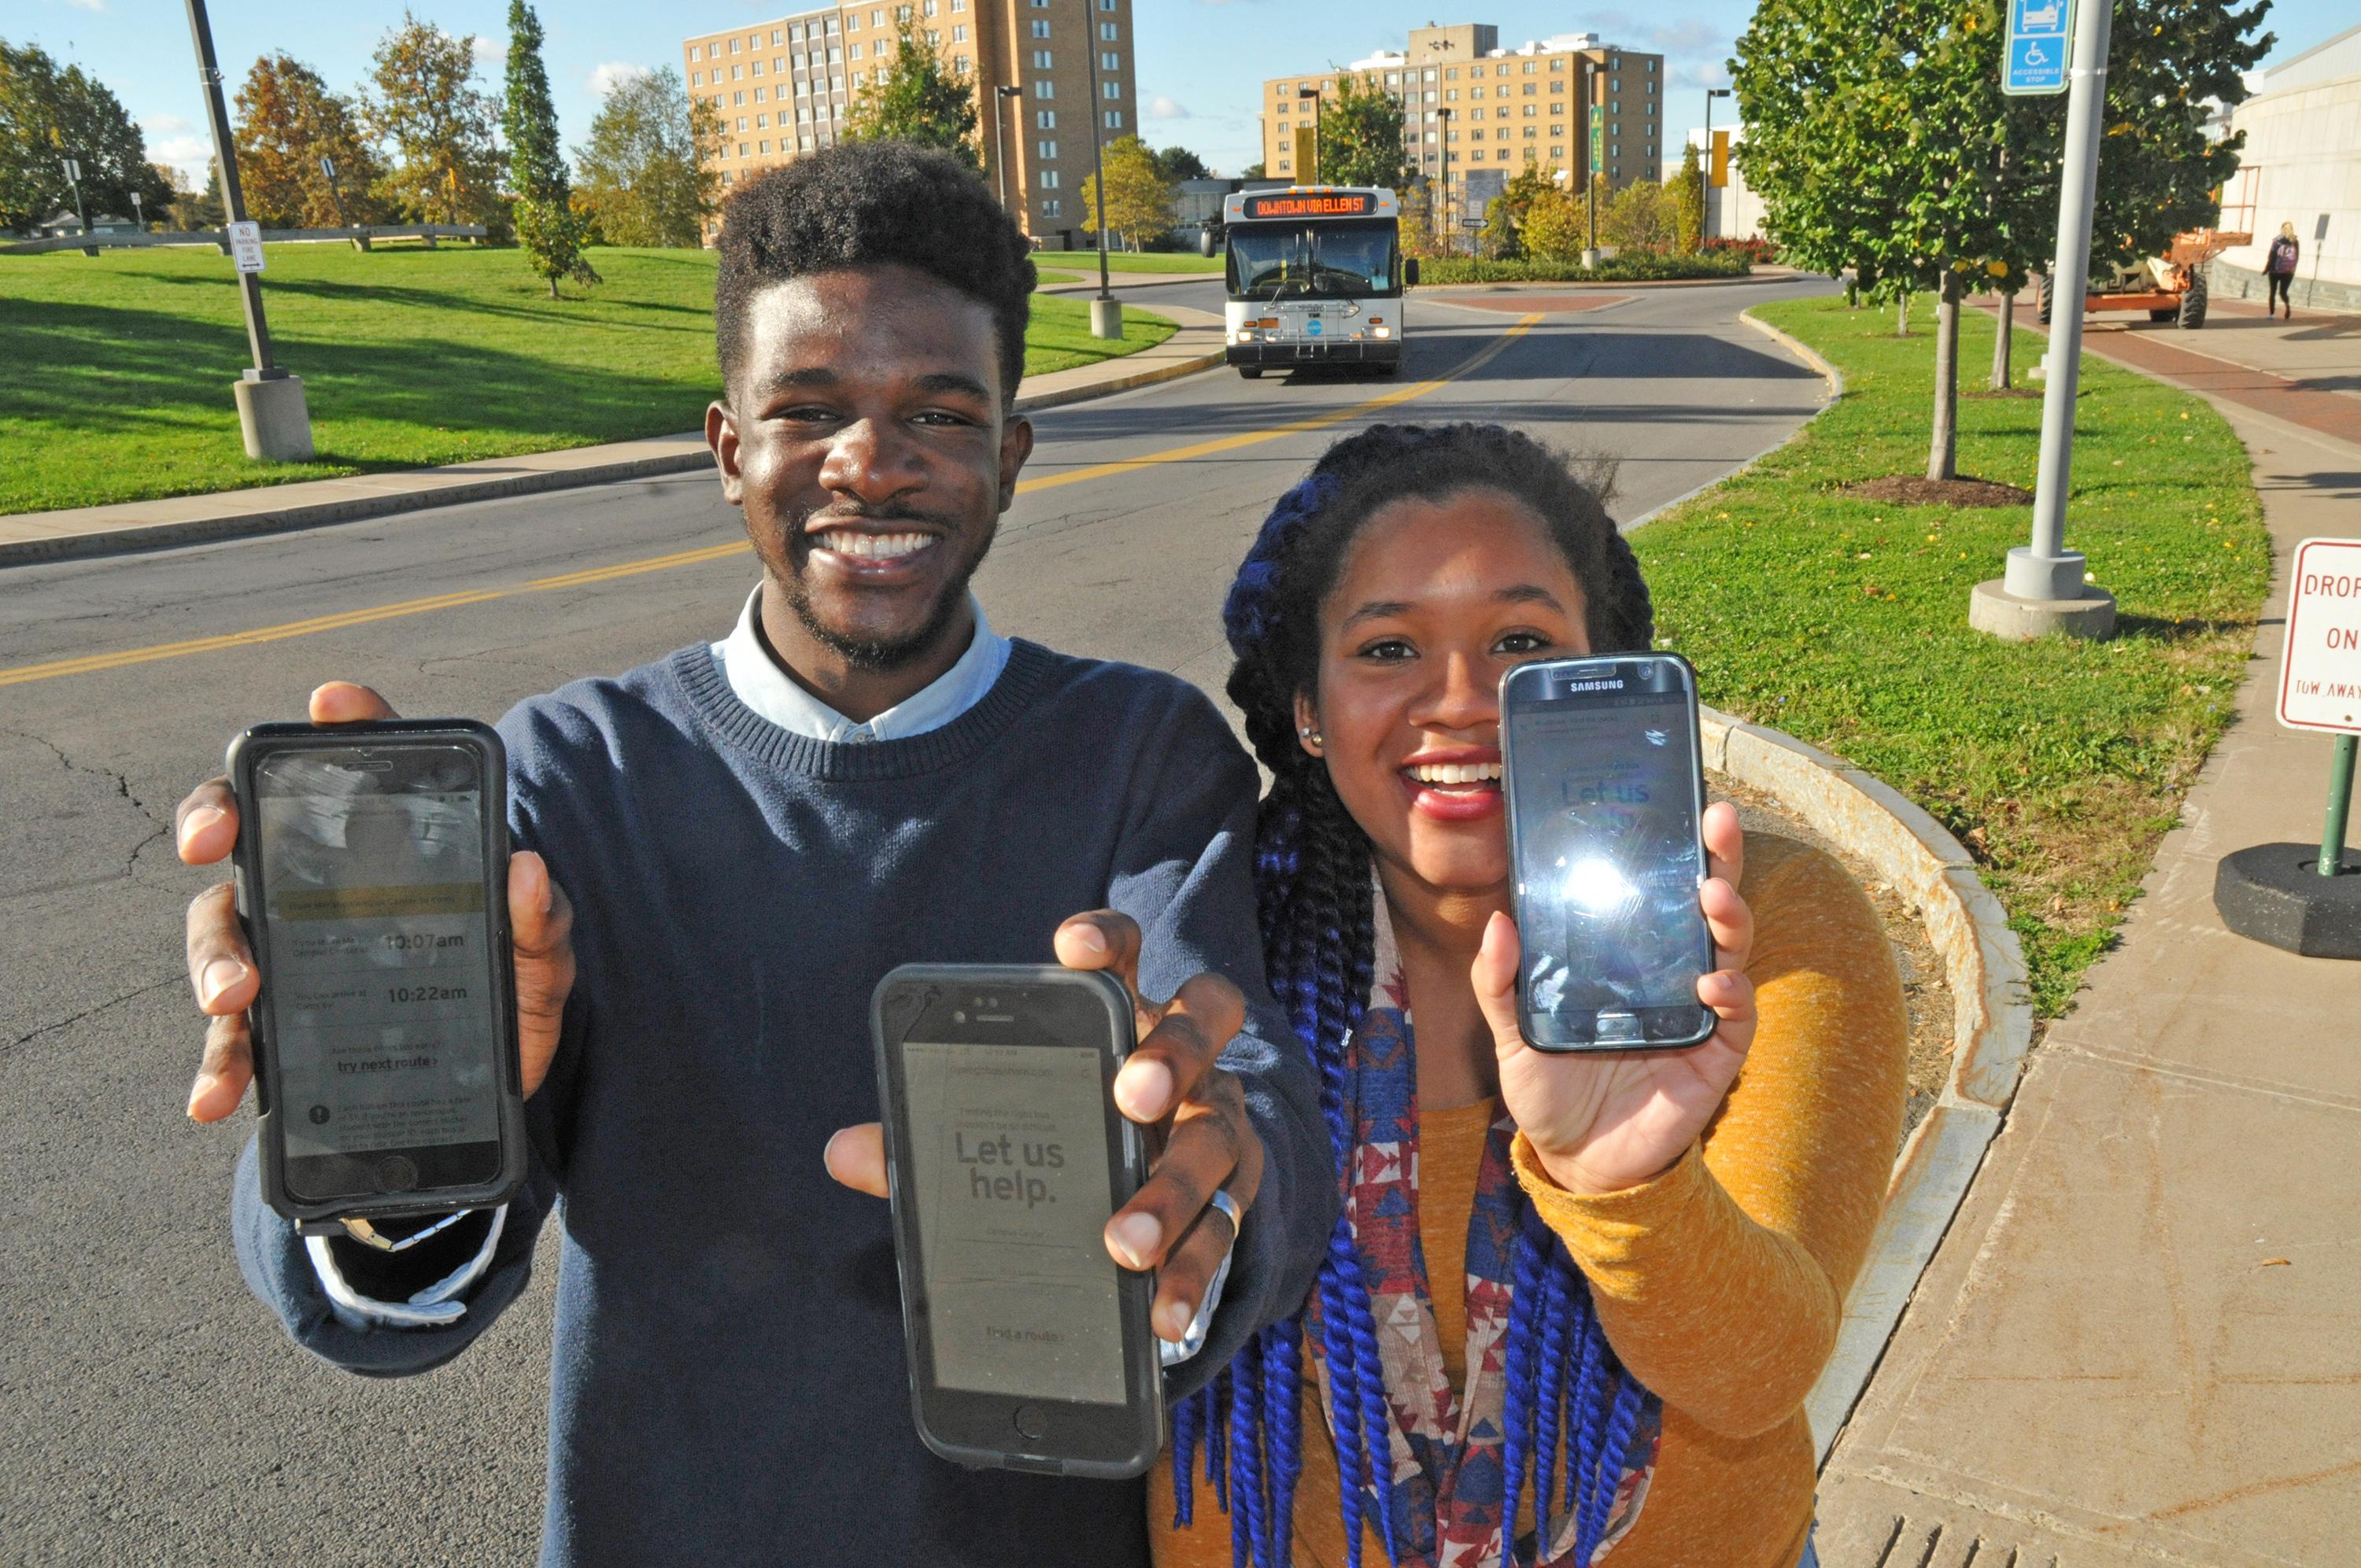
[[245, 750], [1139, 1288], [1538, 670]]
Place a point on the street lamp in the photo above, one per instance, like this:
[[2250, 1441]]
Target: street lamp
[[1313, 93], [1000, 97], [1107, 317], [1705, 180], [270, 401], [1443, 201]]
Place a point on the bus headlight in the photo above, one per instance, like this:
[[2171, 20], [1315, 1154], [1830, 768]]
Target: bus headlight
[[1381, 332]]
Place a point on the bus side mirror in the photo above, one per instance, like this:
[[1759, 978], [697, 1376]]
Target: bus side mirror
[[1410, 272], [1205, 240]]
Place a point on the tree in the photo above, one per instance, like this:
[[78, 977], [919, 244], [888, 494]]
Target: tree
[[1638, 217], [427, 104], [1361, 135], [1253, 171], [287, 121], [1688, 203], [642, 177], [1177, 163], [46, 116], [551, 231], [1139, 198], [1558, 224], [918, 99], [191, 209], [1903, 161], [1504, 215]]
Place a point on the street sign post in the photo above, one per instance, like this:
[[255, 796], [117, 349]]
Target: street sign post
[[245, 245], [1471, 223], [2040, 38], [2304, 898]]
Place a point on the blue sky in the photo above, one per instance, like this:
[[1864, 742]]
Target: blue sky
[[1200, 61]]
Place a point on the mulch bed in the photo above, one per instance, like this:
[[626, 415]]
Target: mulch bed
[[1910, 491]]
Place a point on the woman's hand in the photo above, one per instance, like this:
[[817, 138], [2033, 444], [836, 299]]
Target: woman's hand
[[1604, 1121]]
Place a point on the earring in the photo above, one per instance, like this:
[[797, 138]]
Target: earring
[[1310, 734]]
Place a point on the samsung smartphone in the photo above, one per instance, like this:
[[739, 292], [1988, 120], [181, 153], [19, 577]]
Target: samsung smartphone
[[1605, 788], [372, 876], [1028, 1347]]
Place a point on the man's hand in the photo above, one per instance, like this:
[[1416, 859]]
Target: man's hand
[[1201, 1137], [222, 968], [1604, 1121]]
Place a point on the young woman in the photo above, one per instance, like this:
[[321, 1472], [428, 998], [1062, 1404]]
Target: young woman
[[2280, 271], [1562, 1285]]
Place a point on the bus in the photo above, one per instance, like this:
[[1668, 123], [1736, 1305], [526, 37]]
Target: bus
[[1315, 276]]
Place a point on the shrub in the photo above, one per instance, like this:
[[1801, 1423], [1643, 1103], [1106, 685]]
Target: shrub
[[1631, 266]]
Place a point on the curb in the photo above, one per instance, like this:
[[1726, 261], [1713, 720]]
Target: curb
[[263, 518], [1834, 379], [1992, 1024]]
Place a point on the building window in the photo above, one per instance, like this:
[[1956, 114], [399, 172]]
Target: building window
[[1045, 88], [930, 7], [804, 143], [697, 78], [934, 38], [737, 100], [1106, 32], [742, 146], [959, 33], [1041, 60], [1046, 179], [1047, 149], [1114, 119], [1052, 206], [1284, 166], [733, 46], [832, 27], [758, 94], [1110, 60], [856, 51], [1110, 89], [737, 74], [693, 54], [1046, 119], [1040, 29]]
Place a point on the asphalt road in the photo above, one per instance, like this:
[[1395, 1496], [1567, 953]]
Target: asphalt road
[[153, 1412]]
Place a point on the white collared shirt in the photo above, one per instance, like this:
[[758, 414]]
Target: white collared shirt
[[758, 681]]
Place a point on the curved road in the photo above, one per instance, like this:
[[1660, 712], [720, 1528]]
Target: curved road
[[154, 1413]]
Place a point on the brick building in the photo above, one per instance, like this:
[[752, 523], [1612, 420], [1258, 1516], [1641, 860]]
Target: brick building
[[783, 87]]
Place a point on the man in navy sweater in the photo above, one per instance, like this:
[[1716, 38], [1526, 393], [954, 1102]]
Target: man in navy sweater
[[718, 855]]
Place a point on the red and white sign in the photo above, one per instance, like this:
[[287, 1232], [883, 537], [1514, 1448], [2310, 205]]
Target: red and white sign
[[2319, 686]]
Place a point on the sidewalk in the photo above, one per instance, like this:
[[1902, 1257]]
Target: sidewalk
[[2140, 1343], [274, 508]]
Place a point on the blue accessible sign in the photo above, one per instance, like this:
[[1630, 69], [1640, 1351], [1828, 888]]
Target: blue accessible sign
[[2041, 41]]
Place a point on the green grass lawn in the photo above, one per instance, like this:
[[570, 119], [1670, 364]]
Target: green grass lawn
[[118, 375], [1127, 261], [1843, 621]]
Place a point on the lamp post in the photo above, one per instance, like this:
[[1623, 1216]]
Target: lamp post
[[1314, 95], [1442, 205], [1706, 180], [270, 401], [1000, 96], [1107, 317], [1594, 131]]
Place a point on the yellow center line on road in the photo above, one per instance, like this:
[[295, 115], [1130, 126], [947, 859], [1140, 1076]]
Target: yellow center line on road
[[91, 664]]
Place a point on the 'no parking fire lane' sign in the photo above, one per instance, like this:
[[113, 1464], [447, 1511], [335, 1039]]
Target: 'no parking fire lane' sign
[[2320, 688]]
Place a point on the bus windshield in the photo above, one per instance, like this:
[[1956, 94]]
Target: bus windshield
[[1334, 259]]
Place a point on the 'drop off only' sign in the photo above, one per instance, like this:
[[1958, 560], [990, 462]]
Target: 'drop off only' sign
[[2320, 687]]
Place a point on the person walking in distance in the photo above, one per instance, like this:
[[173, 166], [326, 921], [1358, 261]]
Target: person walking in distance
[[2280, 270]]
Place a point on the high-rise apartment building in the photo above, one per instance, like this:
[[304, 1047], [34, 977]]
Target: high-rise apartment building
[[1482, 113], [783, 88]]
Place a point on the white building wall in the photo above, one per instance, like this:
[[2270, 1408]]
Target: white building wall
[[2301, 160]]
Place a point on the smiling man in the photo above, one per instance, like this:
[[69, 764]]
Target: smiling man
[[719, 854]]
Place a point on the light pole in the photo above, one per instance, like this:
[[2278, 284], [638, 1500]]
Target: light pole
[[1313, 94], [1705, 180], [2045, 587], [270, 401], [1594, 158], [1000, 96], [1107, 317], [1450, 225]]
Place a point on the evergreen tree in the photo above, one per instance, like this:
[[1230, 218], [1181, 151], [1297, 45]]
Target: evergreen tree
[[918, 99], [46, 116], [551, 231], [1688, 202], [642, 177]]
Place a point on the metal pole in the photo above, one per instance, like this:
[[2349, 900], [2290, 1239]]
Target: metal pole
[[257, 331], [1000, 97], [1705, 177], [2047, 570], [2340, 802], [1098, 150]]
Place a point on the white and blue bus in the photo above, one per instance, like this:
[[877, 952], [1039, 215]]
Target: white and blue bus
[[1315, 276]]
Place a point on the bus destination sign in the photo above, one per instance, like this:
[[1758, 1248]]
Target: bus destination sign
[[1326, 204]]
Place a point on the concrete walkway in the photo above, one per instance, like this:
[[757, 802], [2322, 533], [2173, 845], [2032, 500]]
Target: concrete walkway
[[2140, 1343], [271, 508]]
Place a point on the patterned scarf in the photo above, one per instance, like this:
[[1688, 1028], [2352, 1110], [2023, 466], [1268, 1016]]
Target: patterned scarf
[[1447, 1447]]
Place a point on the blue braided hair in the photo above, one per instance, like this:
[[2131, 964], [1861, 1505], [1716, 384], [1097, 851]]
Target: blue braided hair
[[1567, 1399]]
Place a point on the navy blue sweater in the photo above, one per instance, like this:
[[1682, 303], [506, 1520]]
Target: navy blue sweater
[[728, 1377]]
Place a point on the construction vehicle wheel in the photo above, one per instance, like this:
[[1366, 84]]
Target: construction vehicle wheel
[[2192, 304], [2041, 311], [2163, 315]]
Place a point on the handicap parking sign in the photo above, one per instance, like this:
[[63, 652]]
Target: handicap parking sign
[[2041, 41]]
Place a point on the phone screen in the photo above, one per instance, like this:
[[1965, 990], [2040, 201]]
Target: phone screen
[[1008, 1174], [1609, 867], [373, 892]]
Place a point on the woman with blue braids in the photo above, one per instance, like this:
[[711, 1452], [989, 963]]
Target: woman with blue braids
[[1562, 1285]]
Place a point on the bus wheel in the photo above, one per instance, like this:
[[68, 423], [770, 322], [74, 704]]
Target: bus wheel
[[1251, 372]]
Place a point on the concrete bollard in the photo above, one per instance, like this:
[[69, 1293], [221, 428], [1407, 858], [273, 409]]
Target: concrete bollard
[[1106, 318], [271, 416]]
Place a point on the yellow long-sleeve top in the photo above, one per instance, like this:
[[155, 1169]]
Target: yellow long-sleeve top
[[1719, 1283]]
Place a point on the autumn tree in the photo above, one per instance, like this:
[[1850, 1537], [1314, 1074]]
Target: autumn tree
[[1139, 197], [1504, 215], [427, 104], [1687, 191], [918, 99], [1638, 217], [1361, 134], [642, 177], [46, 116], [1558, 224], [288, 119], [552, 233]]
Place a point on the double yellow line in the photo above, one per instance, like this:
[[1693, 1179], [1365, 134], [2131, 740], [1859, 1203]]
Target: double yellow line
[[91, 664]]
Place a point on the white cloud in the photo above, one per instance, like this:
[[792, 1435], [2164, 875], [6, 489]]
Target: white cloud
[[491, 54], [192, 155], [1164, 108], [87, 4], [607, 76], [164, 123]]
